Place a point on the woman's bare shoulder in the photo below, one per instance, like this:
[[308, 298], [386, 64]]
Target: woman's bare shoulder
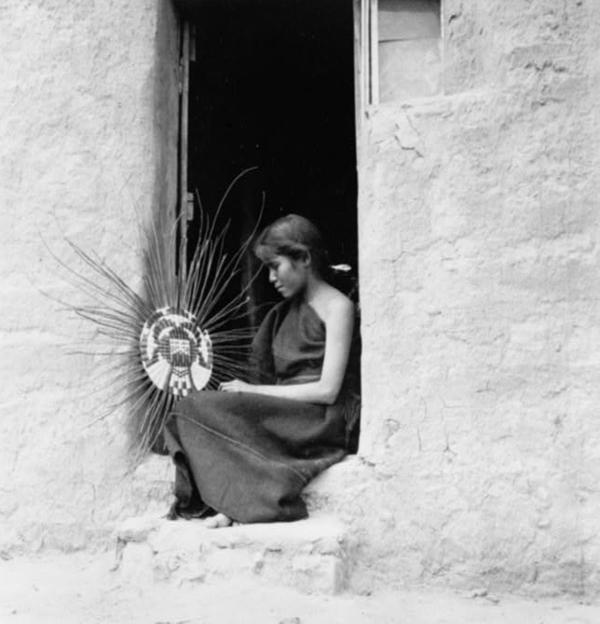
[[334, 305]]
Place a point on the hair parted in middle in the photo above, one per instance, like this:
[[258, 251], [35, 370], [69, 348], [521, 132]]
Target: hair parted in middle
[[297, 238]]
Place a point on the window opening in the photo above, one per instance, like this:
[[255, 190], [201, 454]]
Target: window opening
[[271, 84]]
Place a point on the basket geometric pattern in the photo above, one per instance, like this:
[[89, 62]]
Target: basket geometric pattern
[[176, 354]]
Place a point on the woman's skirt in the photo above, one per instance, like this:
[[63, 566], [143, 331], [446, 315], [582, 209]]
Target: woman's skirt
[[250, 456]]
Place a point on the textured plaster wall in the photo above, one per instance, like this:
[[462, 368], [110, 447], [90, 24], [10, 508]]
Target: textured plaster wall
[[87, 150], [480, 278]]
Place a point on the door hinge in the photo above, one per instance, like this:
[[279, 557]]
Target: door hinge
[[189, 206]]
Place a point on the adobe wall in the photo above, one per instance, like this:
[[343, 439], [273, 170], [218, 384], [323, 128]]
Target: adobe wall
[[87, 139], [479, 280], [480, 275]]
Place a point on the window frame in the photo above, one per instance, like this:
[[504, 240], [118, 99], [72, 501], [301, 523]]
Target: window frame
[[367, 55]]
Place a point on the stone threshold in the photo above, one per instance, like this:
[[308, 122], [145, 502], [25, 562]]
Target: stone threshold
[[311, 556]]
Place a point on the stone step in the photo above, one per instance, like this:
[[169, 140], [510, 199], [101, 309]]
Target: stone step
[[313, 555], [337, 489]]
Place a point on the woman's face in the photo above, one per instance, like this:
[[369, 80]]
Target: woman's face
[[287, 275]]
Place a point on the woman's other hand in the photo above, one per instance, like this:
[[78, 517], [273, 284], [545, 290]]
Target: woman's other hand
[[235, 385]]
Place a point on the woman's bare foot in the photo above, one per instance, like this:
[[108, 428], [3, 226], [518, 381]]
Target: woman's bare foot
[[217, 522]]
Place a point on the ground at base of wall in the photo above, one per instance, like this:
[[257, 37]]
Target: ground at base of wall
[[81, 589]]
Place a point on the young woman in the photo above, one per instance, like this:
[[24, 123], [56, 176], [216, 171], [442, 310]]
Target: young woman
[[247, 451]]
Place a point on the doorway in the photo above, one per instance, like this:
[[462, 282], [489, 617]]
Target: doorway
[[271, 85]]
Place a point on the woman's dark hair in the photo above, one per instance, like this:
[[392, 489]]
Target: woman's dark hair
[[295, 237]]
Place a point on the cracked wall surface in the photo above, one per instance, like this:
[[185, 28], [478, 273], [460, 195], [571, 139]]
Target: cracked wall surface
[[86, 152], [480, 317]]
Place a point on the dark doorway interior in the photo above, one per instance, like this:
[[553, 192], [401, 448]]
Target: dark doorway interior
[[272, 85]]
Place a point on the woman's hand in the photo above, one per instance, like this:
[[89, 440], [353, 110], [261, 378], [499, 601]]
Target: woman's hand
[[235, 385]]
